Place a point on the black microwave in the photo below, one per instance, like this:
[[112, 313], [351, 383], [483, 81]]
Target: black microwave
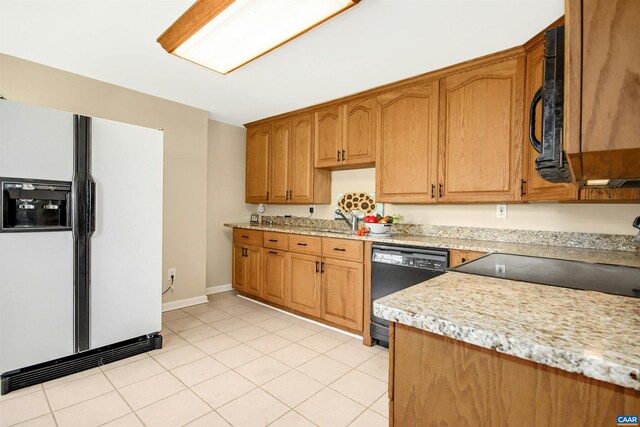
[[551, 164]]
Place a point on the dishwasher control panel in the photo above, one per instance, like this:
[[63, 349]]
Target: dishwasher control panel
[[426, 261]]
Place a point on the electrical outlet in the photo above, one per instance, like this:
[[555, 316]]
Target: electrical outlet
[[501, 211], [171, 274]]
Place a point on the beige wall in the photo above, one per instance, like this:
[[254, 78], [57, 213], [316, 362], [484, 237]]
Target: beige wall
[[185, 153], [590, 218], [225, 197]]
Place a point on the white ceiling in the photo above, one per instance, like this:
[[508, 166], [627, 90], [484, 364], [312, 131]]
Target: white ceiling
[[376, 42]]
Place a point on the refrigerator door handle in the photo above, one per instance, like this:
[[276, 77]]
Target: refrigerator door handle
[[92, 207]]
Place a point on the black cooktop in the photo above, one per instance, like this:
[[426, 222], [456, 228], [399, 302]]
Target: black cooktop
[[610, 279]]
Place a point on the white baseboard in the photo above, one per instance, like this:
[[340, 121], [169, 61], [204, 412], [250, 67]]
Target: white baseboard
[[331, 328], [217, 289], [181, 303]]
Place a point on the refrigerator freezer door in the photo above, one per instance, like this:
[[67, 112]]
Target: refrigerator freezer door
[[36, 269], [35, 142], [126, 248], [36, 298]]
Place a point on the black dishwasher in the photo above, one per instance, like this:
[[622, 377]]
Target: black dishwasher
[[396, 267]]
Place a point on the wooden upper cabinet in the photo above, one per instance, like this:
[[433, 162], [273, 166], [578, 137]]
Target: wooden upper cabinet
[[481, 124], [407, 144], [533, 187], [602, 101], [257, 167], [328, 132], [279, 163], [359, 144], [345, 135], [301, 160]]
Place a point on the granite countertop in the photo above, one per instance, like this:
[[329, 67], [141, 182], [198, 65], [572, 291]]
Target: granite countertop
[[587, 332], [617, 257]]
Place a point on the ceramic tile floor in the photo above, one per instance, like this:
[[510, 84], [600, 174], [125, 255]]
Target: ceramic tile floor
[[228, 362]]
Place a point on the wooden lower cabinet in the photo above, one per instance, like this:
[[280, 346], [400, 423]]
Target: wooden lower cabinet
[[247, 268], [301, 279], [457, 257], [275, 274], [304, 284], [342, 292], [238, 269], [434, 380]]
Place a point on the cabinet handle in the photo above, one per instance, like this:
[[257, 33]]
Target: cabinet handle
[[273, 240], [440, 190], [301, 244], [321, 267], [286, 197], [267, 195], [338, 155], [245, 237], [244, 252], [317, 266], [273, 252], [464, 259], [433, 191], [344, 157], [522, 183], [339, 249]]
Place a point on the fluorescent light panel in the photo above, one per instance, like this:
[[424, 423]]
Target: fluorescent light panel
[[247, 29]]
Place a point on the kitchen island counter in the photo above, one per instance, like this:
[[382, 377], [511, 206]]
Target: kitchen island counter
[[585, 332]]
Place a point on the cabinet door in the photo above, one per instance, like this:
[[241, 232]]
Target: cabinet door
[[534, 187], [279, 165], [610, 100], [328, 130], [342, 293], [257, 168], [275, 269], [238, 273], [301, 160], [253, 270], [407, 144], [303, 284], [360, 132], [481, 133]]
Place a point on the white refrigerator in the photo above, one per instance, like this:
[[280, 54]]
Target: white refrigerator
[[80, 242]]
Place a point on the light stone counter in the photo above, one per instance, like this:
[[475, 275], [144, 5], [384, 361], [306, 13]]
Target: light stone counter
[[618, 257], [585, 332]]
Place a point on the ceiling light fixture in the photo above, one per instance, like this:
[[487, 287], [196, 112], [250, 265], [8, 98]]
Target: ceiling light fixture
[[224, 35]]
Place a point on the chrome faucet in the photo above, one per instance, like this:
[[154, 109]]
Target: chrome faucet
[[352, 220]]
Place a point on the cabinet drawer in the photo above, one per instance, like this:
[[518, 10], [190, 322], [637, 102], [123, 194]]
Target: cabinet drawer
[[248, 237], [305, 244], [276, 240], [344, 249]]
